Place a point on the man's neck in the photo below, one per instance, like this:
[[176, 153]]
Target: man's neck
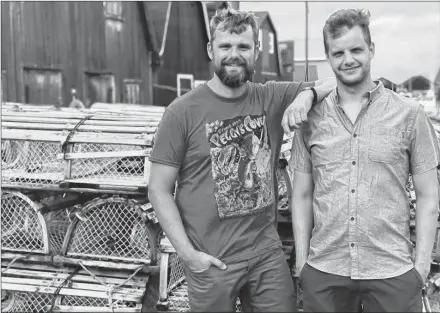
[[222, 90], [354, 94]]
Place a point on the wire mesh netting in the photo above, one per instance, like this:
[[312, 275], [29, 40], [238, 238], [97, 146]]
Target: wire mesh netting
[[22, 225], [31, 163], [283, 196], [109, 169], [14, 301], [25, 301], [57, 225], [111, 229], [96, 302]]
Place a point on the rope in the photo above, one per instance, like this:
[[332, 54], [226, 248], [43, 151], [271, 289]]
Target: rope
[[110, 288], [57, 291], [13, 261], [65, 143]]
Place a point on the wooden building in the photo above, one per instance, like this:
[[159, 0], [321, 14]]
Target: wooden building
[[182, 32], [106, 51], [268, 65], [287, 55], [388, 84], [318, 68]]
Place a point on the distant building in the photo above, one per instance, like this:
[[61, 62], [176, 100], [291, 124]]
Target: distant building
[[103, 50], [182, 32], [287, 54], [268, 65], [388, 84], [437, 87], [318, 69], [416, 83]]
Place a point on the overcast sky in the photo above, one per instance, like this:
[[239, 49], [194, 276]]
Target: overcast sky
[[406, 34]]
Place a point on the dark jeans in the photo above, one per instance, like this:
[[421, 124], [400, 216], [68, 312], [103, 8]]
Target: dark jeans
[[325, 292], [263, 283]]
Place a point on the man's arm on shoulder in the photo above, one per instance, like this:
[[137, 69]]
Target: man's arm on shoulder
[[296, 112], [302, 198]]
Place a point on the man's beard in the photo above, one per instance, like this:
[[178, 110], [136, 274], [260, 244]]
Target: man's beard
[[237, 79]]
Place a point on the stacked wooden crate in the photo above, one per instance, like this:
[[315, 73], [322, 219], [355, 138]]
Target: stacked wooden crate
[[78, 232]]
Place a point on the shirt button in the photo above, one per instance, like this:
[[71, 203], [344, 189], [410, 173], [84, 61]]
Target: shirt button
[[352, 191], [352, 218], [352, 245], [355, 135], [354, 162]]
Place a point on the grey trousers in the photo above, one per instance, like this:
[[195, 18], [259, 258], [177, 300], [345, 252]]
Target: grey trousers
[[263, 284], [325, 292]]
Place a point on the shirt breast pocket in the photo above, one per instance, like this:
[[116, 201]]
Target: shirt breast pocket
[[384, 145]]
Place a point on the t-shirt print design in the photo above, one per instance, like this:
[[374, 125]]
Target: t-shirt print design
[[240, 154]]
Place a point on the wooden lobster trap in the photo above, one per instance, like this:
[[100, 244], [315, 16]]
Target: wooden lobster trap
[[113, 229], [34, 226], [61, 150], [45, 288]]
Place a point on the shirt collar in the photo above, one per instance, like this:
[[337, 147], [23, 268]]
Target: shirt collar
[[369, 96]]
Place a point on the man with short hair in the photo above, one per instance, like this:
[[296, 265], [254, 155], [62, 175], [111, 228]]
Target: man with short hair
[[351, 164], [221, 142]]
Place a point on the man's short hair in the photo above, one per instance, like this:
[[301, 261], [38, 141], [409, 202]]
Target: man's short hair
[[337, 22], [234, 21]]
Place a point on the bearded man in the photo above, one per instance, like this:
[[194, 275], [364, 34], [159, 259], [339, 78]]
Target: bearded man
[[221, 143]]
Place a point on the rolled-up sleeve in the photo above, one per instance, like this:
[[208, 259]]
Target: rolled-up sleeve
[[424, 148], [300, 159]]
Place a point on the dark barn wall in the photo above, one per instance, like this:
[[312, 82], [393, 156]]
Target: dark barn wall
[[266, 65], [185, 50], [51, 47]]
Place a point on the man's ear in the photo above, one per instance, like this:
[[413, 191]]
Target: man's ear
[[257, 52], [209, 50]]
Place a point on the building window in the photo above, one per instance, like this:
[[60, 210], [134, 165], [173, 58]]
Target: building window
[[99, 87], [113, 9], [260, 39], [43, 86], [271, 43], [132, 91]]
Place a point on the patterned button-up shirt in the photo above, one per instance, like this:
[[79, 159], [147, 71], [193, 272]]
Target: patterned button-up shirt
[[360, 170]]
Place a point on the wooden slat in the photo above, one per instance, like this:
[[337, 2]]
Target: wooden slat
[[146, 268], [136, 282], [107, 184], [69, 292], [104, 154], [72, 285], [82, 309], [78, 137], [104, 116], [47, 120], [82, 128], [97, 271], [127, 107]]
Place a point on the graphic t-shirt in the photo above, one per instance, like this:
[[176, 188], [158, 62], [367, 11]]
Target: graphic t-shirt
[[227, 152]]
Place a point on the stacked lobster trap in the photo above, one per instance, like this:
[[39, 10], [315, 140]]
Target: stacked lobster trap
[[78, 232]]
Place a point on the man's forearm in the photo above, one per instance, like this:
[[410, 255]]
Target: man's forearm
[[426, 225], [302, 222], [171, 222], [323, 87]]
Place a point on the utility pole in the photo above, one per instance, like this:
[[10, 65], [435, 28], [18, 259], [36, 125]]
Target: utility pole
[[307, 42]]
